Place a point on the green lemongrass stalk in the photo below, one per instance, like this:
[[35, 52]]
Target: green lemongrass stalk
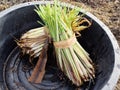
[[74, 61]]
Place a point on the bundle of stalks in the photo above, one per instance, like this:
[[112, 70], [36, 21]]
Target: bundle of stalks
[[72, 59], [33, 41], [62, 23]]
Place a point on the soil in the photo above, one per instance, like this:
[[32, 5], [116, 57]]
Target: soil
[[107, 11]]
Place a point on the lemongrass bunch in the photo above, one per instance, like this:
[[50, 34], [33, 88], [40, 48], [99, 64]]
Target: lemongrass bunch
[[33, 41], [72, 59]]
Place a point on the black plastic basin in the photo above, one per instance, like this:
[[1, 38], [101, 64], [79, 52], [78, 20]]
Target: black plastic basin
[[98, 41]]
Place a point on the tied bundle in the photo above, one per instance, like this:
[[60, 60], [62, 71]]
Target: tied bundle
[[61, 24]]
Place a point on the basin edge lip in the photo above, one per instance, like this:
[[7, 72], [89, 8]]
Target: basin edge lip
[[114, 76]]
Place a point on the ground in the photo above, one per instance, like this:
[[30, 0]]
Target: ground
[[107, 11]]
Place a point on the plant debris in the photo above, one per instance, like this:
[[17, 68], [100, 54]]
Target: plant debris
[[32, 42], [39, 70]]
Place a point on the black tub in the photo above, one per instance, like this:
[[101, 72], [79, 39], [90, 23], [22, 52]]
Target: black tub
[[97, 40]]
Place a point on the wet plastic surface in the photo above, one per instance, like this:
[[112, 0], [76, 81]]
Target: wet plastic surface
[[94, 40]]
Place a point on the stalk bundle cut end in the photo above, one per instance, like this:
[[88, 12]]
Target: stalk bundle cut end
[[32, 42]]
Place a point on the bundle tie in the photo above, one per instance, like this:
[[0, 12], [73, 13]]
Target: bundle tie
[[65, 43]]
